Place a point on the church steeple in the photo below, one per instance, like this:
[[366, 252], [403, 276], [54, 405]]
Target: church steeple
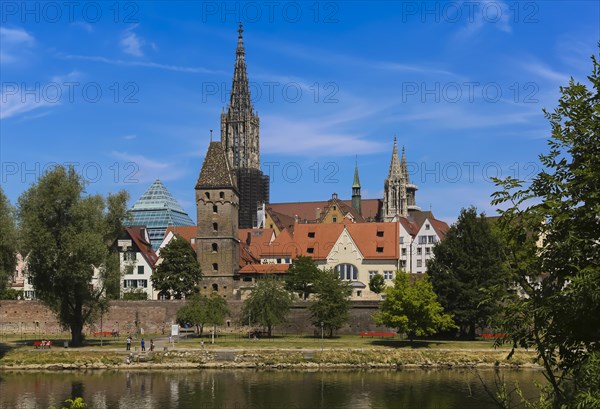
[[403, 166], [239, 123], [395, 200], [356, 199], [395, 170]]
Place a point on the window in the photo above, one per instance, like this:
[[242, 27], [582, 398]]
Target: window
[[278, 261], [311, 234], [207, 194], [404, 252], [140, 269], [422, 239], [221, 195], [215, 287], [335, 219], [401, 240], [215, 247], [215, 227], [372, 274], [334, 207], [215, 267], [419, 251], [419, 263], [379, 249], [310, 250], [388, 275], [431, 239], [359, 293], [347, 271], [402, 263], [129, 256], [288, 260], [427, 226], [215, 209], [379, 234], [427, 250], [142, 283]]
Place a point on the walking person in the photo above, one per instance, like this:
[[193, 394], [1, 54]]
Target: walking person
[[128, 342], [151, 345], [143, 345]]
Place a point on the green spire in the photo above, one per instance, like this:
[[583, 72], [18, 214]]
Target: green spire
[[356, 182]]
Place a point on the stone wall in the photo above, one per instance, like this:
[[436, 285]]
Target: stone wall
[[32, 317]]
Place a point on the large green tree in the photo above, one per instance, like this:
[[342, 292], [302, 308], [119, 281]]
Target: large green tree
[[411, 306], [268, 304], [301, 276], [330, 310], [178, 273], [377, 283], [468, 271], [67, 234], [8, 242], [200, 310], [553, 228]]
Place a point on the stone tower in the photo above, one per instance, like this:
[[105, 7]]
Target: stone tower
[[240, 136], [217, 204], [395, 201], [356, 199]]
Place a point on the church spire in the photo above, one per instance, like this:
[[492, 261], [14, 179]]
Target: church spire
[[403, 166], [356, 199], [239, 100], [395, 170]]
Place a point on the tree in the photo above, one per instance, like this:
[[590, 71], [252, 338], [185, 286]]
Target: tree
[[468, 271], [301, 276], [8, 243], [411, 306], [377, 284], [67, 235], [200, 310], [179, 272], [330, 310], [553, 228], [267, 305]]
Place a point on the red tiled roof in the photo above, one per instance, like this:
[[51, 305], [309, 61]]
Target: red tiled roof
[[308, 210], [368, 241], [187, 232], [137, 235], [440, 227]]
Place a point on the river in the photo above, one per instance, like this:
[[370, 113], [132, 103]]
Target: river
[[237, 389]]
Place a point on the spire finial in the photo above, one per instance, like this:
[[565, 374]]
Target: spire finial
[[211, 135]]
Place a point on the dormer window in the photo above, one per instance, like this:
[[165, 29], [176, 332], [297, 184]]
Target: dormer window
[[310, 250], [380, 234], [379, 250], [311, 234]]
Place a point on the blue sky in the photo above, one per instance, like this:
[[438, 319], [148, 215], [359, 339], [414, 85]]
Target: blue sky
[[128, 93]]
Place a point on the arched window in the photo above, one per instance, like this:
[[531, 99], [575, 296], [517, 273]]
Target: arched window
[[215, 247], [207, 194], [222, 195], [215, 287], [215, 267], [347, 272], [215, 227]]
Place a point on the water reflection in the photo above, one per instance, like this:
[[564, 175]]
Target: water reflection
[[233, 389]]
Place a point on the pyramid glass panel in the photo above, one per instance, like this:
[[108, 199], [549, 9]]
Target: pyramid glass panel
[[157, 209]]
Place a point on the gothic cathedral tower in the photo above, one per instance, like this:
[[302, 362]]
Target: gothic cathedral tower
[[399, 193], [240, 136], [217, 204]]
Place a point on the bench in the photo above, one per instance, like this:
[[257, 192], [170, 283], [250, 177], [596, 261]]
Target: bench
[[378, 334], [106, 334], [493, 336], [42, 344]]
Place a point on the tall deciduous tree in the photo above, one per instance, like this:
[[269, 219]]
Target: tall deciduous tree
[[8, 241], [267, 305], [553, 226], [179, 272], [377, 284], [330, 310], [301, 276], [67, 235], [411, 306], [200, 310], [468, 272]]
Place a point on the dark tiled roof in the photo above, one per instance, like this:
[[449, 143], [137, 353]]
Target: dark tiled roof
[[215, 171]]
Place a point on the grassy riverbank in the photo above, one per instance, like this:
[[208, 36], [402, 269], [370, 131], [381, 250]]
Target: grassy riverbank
[[281, 352]]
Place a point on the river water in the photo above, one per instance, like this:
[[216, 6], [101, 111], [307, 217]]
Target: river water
[[237, 389]]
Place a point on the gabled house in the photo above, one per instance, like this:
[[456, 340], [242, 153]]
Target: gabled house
[[138, 261]]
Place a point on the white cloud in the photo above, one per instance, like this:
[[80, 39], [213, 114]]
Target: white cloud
[[147, 169], [130, 137], [14, 102], [14, 42], [131, 43], [84, 26]]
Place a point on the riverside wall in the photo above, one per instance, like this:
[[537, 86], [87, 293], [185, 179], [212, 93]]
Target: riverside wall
[[156, 317]]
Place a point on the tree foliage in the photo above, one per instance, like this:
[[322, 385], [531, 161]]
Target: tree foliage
[[67, 235], [268, 304], [301, 276], [8, 242], [411, 306], [332, 304], [468, 272], [553, 228], [200, 310], [377, 283], [179, 272]]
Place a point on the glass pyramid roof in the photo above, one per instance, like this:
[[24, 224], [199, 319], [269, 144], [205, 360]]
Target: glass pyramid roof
[[157, 209]]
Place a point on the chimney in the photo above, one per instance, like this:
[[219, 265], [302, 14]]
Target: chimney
[[248, 238], [318, 213]]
